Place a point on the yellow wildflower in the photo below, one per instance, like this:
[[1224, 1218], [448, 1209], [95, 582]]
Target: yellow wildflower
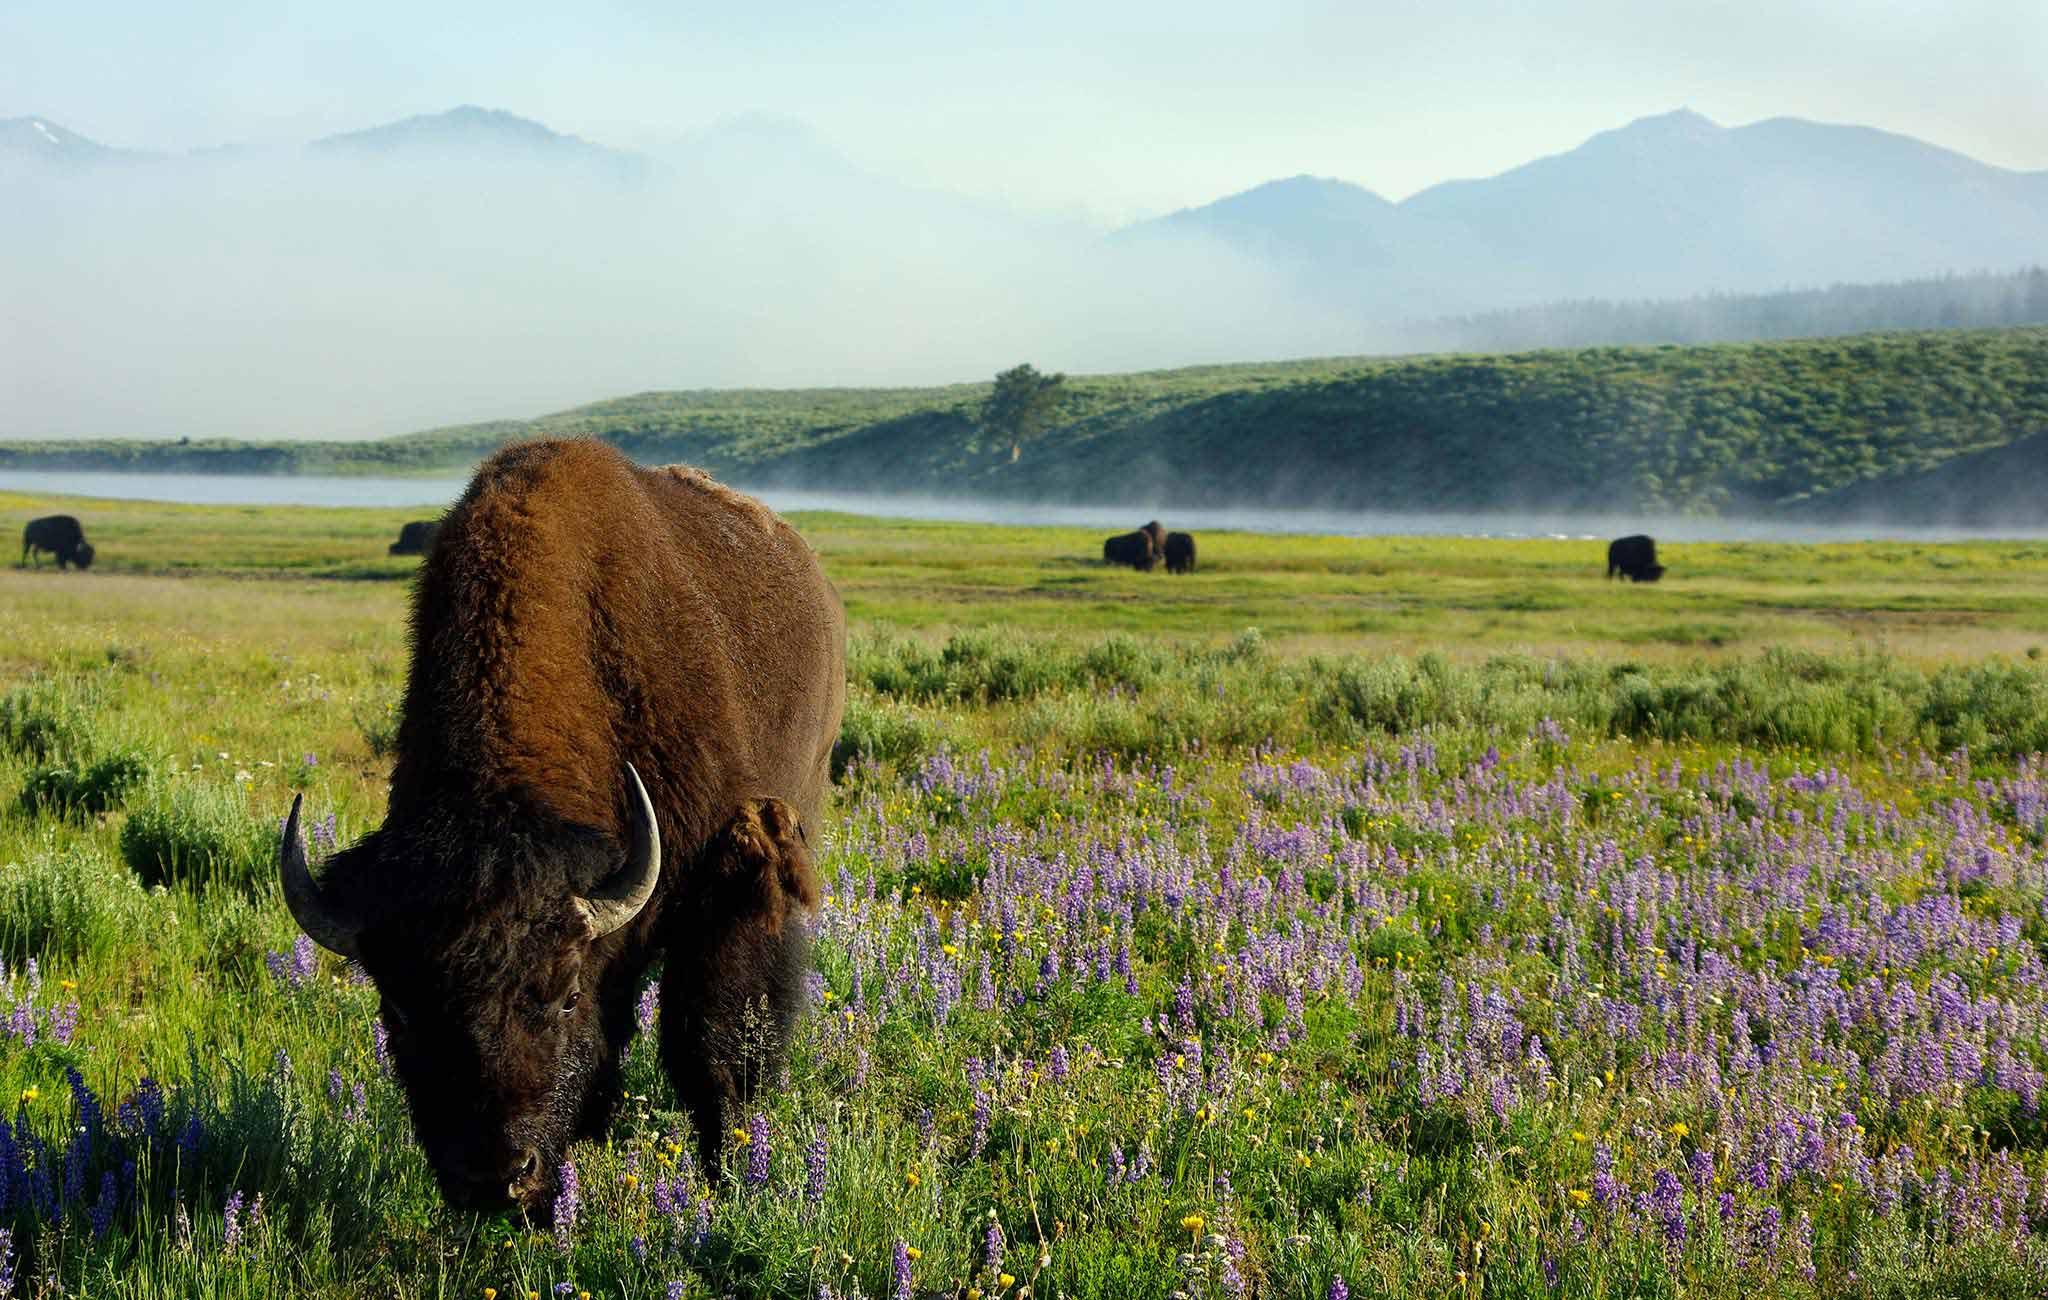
[[1679, 1129], [71, 986], [30, 1094], [490, 1293], [1004, 1279], [912, 1178], [1193, 1223], [1581, 1195]]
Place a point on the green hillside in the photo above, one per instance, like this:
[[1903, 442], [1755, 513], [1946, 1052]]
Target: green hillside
[[1732, 428]]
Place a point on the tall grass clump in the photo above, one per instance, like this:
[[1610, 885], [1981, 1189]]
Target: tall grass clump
[[69, 901], [195, 833], [881, 732], [45, 719]]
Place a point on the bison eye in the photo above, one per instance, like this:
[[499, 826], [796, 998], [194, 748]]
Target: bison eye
[[569, 1003]]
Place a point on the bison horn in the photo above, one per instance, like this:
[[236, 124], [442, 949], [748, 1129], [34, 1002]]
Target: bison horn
[[302, 893], [619, 899]]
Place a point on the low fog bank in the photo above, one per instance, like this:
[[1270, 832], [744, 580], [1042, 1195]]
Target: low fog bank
[[433, 494], [311, 294]]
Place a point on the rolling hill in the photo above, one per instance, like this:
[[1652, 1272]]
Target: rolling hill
[[1886, 421]]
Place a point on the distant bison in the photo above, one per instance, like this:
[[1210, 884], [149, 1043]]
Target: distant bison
[[1634, 556], [1180, 552], [1157, 533], [1135, 549], [416, 538], [61, 536]]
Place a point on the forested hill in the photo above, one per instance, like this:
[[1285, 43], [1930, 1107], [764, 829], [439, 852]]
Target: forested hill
[[1728, 429]]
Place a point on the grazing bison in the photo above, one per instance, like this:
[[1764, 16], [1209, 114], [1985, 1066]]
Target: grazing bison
[[1180, 552], [1634, 556], [617, 727], [416, 538], [1135, 549], [61, 536]]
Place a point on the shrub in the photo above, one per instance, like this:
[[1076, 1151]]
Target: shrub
[[68, 904], [44, 720], [85, 790], [884, 733], [199, 834]]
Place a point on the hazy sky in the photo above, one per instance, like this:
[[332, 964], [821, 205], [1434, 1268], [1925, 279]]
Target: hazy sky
[[1103, 110]]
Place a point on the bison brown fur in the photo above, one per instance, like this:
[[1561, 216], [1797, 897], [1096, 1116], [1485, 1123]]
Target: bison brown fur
[[624, 691], [730, 999]]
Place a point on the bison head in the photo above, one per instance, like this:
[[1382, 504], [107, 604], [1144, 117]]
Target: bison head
[[496, 1009], [81, 555]]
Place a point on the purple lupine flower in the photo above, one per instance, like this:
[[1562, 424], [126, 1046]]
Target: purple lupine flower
[[992, 1245], [1058, 1063], [231, 1229], [676, 1290], [902, 1289], [102, 1210], [1668, 1199], [814, 1169], [565, 1288], [6, 1263], [650, 1002], [568, 1200], [1338, 1291], [757, 1150]]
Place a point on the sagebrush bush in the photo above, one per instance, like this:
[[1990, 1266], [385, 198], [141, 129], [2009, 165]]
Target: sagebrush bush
[[69, 902], [884, 733], [199, 834], [85, 789], [45, 719]]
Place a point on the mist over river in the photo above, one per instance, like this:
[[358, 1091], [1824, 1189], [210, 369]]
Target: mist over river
[[438, 492]]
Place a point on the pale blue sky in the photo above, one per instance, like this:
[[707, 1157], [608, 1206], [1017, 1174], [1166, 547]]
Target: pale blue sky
[[1106, 110]]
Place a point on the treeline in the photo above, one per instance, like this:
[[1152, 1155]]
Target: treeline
[[1981, 301], [1730, 428]]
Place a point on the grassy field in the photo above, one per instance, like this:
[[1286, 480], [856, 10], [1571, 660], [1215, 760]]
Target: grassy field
[[1472, 927]]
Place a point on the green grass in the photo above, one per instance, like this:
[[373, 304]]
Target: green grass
[[207, 672]]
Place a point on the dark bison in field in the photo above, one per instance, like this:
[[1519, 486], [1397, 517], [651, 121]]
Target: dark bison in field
[[1180, 552], [1634, 556], [1135, 549], [615, 743], [416, 538], [1157, 532], [61, 536]]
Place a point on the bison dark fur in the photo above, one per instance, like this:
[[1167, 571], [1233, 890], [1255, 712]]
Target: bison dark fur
[[1180, 552], [1634, 556], [60, 535], [416, 538], [1134, 549], [577, 615], [1157, 532]]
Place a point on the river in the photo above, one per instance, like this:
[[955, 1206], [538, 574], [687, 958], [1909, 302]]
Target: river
[[341, 490]]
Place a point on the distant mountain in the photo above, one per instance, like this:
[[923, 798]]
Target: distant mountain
[[1665, 206], [473, 135], [37, 141]]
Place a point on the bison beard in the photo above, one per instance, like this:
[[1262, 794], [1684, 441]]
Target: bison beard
[[624, 690]]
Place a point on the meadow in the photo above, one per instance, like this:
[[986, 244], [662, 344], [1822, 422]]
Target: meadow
[[1354, 917]]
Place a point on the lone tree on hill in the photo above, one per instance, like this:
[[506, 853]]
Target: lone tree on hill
[[1022, 404]]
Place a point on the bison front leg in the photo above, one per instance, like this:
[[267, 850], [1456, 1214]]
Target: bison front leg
[[737, 953]]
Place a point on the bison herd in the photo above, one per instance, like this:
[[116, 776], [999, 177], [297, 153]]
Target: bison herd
[[1146, 548]]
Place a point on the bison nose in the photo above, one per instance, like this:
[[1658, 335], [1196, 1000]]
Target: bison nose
[[529, 1165]]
